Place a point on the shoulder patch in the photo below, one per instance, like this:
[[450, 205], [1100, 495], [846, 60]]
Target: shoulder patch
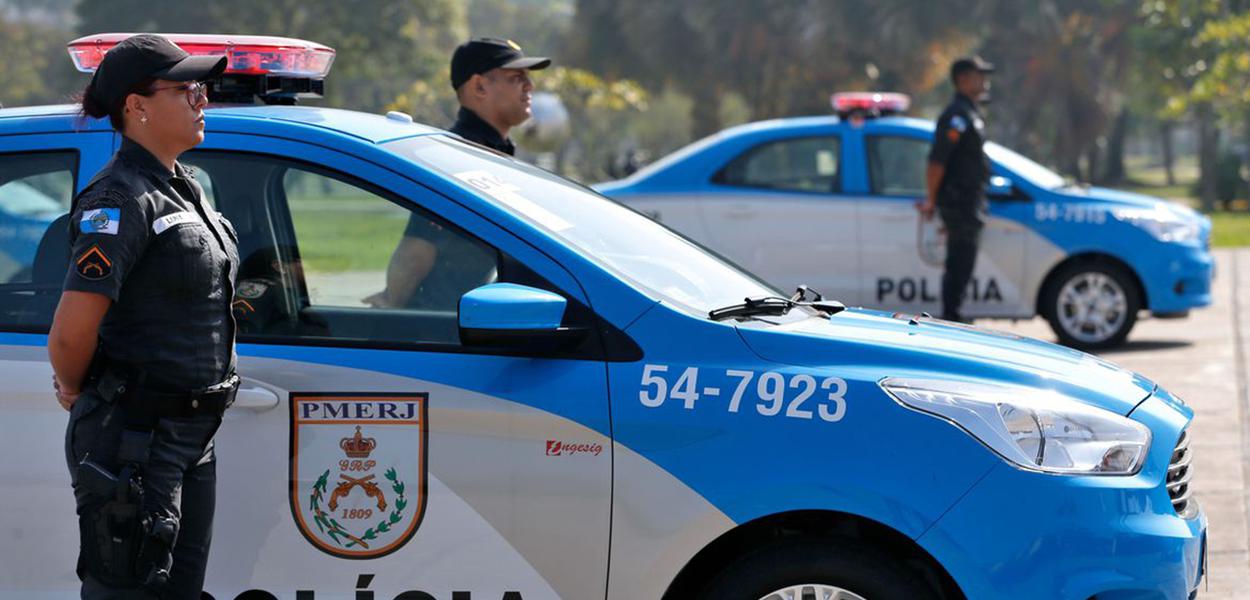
[[100, 220], [93, 264], [959, 123], [251, 289]]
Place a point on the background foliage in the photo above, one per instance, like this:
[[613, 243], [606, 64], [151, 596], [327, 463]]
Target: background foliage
[[1127, 92]]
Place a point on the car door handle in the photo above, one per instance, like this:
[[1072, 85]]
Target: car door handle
[[740, 212], [255, 398]]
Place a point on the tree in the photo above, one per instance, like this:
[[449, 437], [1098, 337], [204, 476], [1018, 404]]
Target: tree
[[1175, 64], [1225, 85], [36, 68], [383, 45]]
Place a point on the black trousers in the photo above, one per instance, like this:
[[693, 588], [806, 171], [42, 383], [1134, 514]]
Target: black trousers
[[963, 222], [179, 482]]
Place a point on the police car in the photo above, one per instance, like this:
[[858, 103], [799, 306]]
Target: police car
[[602, 415], [829, 202]]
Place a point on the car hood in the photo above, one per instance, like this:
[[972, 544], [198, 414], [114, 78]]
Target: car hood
[[1125, 199], [876, 345]]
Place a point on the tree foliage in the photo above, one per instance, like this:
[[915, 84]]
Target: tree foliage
[[383, 45]]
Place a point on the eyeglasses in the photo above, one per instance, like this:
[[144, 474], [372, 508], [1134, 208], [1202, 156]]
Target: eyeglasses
[[196, 91]]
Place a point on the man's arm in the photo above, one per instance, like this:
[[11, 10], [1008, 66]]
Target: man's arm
[[946, 136], [72, 341], [932, 180], [410, 264]]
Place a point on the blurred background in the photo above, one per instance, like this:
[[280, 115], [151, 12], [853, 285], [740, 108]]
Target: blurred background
[[1149, 95]]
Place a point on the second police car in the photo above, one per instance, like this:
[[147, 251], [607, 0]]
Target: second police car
[[829, 202], [599, 415]]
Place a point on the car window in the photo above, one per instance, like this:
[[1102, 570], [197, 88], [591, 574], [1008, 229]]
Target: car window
[[316, 247], [896, 165], [633, 247], [808, 164], [35, 190]]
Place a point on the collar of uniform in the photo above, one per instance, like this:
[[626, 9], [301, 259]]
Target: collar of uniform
[[474, 128], [138, 156], [960, 97]]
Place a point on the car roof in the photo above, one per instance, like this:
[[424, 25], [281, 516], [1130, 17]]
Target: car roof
[[712, 152], [369, 127]]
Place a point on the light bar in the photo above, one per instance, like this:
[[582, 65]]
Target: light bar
[[870, 104], [247, 54]]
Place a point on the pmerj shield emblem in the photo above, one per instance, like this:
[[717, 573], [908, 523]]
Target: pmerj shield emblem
[[358, 470]]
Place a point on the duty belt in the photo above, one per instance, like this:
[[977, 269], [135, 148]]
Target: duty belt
[[130, 392]]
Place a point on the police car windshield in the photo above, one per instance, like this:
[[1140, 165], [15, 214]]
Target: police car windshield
[[655, 259], [1025, 167]]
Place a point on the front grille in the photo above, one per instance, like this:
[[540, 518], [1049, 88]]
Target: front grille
[[1179, 474]]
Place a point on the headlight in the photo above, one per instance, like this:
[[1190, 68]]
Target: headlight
[[1165, 225], [1032, 429]]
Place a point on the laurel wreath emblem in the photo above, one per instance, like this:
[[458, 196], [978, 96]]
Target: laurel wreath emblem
[[327, 524]]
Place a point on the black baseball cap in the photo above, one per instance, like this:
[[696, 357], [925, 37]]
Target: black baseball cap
[[480, 55], [970, 63], [149, 56]]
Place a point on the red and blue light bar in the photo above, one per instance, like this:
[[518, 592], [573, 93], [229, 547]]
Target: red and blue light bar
[[869, 104], [277, 70]]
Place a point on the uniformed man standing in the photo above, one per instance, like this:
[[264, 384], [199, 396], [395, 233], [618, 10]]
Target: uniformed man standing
[[431, 267], [956, 177], [142, 344]]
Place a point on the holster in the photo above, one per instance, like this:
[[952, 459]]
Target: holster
[[111, 526], [122, 546]]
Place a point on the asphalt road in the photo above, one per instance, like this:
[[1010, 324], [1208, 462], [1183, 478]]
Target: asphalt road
[[1204, 360]]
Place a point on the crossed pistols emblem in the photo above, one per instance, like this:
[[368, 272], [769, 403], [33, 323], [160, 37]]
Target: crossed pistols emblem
[[358, 447], [345, 487]]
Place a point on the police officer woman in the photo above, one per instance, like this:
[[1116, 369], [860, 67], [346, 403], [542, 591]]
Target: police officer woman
[[142, 344]]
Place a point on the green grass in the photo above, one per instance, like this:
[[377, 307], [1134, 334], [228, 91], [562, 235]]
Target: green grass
[[333, 241], [1230, 229]]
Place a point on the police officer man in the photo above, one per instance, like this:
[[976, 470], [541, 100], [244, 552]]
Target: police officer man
[[142, 344], [956, 177], [491, 79]]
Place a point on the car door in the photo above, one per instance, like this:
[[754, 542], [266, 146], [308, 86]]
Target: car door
[[903, 255], [39, 175], [776, 210], [369, 448]]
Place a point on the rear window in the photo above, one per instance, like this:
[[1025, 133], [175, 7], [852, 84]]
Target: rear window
[[35, 193], [807, 164]]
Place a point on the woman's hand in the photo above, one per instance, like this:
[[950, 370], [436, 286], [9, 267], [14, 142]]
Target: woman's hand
[[64, 396]]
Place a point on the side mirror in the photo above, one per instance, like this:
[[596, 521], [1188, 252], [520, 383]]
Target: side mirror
[[511, 316], [1001, 188]]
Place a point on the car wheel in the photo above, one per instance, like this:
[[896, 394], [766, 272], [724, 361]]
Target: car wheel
[[817, 569], [1091, 305]]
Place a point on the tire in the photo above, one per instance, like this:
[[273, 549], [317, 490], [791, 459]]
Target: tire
[[1091, 305], [821, 565]]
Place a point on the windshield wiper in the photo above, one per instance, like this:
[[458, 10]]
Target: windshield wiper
[[777, 306]]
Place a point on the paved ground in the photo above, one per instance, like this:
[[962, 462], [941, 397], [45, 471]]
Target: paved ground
[[1203, 359]]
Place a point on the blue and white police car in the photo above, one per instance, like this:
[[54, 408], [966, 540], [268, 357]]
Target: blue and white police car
[[829, 202], [603, 409]]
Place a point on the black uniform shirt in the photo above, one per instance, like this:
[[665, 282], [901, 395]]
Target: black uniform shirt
[[147, 239], [460, 264], [473, 128], [959, 144]]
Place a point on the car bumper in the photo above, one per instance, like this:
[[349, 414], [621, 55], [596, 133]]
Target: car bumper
[[1024, 535], [1178, 279]]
